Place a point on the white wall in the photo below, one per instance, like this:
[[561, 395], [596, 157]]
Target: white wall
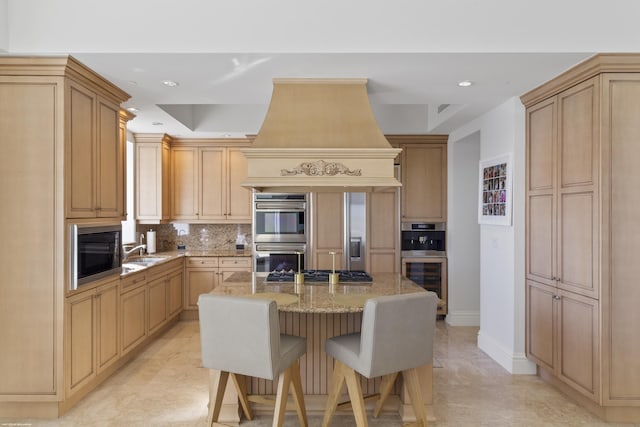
[[463, 232], [501, 333], [4, 25]]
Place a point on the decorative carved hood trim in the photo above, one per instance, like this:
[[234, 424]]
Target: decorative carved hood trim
[[320, 134]]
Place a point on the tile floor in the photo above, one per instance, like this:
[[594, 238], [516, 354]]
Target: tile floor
[[165, 386]]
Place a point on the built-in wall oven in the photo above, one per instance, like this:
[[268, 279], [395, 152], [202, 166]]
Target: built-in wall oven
[[424, 258], [280, 218], [269, 257], [94, 252], [280, 223]]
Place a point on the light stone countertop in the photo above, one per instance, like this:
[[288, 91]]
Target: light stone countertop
[[171, 255], [316, 297]]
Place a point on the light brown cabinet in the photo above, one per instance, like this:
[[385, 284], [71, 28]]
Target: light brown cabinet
[[203, 274], [328, 230], [581, 233], [205, 183], [92, 339], [133, 301], [383, 232], [152, 178], [94, 157], [63, 120], [423, 164]]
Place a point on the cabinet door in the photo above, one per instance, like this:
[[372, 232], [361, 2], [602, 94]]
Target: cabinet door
[[157, 303], [212, 184], [153, 181], [134, 317], [231, 265], [578, 216], [541, 193], [123, 116], [238, 197], [184, 183], [110, 186], [199, 281], [621, 269], [541, 324], [328, 233], [81, 346], [383, 232], [579, 350], [107, 326], [80, 153], [424, 182], [174, 294], [148, 181]]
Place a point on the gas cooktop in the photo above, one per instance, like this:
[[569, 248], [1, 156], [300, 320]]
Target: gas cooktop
[[319, 276]]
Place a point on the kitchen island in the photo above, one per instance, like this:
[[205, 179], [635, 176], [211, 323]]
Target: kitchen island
[[319, 311]]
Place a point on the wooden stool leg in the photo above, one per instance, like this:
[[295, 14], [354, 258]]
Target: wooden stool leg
[[355, 394], [298, 396], [241, 385], [216, 393], [410, 377], [385, 388], [281, 396], [337, 380]]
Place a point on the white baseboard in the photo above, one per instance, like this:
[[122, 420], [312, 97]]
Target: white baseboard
[[463, 318], [515, 363]]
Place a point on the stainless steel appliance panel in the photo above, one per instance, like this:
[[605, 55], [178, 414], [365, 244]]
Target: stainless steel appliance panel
[[269, 257], [94, 253], [280, 218]]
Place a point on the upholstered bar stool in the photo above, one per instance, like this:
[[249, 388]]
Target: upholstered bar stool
[[396, 336], [241, 336]]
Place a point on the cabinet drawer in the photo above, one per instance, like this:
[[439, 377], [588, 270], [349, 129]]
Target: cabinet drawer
[[133, 281], [205, 262], [235, 262]]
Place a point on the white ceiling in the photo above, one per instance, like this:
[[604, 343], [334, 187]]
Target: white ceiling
[[225, 54]]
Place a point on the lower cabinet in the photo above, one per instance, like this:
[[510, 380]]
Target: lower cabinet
[[563, 336], [91, 341], [203, 274], [157, 294], [174, 293], [134, 318]]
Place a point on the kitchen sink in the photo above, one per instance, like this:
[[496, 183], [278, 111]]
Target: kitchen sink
[[144, 260]]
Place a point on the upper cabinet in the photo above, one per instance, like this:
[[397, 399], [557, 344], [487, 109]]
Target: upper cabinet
[[206, 182], [152, 176], [94, 154], [423, 167]]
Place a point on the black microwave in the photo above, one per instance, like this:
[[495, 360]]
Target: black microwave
[[94, 252]]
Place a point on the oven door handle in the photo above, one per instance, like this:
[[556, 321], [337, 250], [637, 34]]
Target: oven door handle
[[282, 249], [280, 207]]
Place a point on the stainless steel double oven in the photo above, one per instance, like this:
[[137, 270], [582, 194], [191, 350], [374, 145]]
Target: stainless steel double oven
[[280, 223]]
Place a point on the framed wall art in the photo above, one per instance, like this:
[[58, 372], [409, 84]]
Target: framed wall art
[[495, 191]]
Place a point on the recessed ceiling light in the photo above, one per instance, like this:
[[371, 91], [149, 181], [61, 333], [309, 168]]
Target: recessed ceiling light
[[465, 83], [133, 82], [170, 83], [133, 109], [157, 123]]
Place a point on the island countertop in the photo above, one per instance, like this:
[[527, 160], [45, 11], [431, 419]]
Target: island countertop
[[316, 297]]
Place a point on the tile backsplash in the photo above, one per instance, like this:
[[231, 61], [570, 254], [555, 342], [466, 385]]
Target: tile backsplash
[[198, 237]]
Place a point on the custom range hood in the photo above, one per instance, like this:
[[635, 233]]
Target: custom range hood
[[320, 135]]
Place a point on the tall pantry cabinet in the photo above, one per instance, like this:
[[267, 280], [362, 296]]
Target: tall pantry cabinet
[[61, 161], [583, 233]]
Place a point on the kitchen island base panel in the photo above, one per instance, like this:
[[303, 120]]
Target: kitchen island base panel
[[317, 369]]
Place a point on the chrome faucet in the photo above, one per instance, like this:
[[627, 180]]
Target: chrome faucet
[[126, 252]]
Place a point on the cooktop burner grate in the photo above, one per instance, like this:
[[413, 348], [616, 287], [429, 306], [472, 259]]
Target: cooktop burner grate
[[319, 276]]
